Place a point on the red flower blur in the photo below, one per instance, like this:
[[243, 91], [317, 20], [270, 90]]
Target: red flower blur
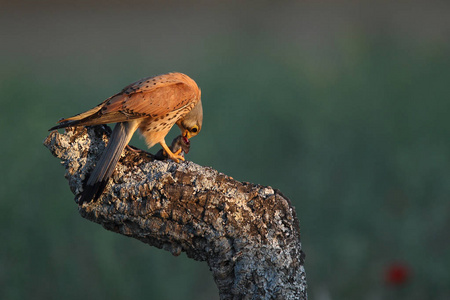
[[397, 274]]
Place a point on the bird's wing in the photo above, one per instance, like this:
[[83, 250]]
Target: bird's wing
[[148, 97], [156, 96]]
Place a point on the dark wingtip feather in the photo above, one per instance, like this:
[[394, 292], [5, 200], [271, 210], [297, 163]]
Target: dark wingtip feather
[[56, 127], [64, 125]]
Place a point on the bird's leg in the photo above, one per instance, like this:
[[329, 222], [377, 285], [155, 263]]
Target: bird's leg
[[174, 156], [178, 151], [135, 150]]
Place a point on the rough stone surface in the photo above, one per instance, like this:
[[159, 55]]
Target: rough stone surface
[[247, 233]]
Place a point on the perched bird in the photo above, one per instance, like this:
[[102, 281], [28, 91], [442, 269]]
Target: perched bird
[[152, 105], [180, 145]]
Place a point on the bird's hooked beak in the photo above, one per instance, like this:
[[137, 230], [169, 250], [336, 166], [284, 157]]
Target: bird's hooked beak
[[186, 136]]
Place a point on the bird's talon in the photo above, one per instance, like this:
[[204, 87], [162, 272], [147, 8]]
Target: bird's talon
[[176, 157]]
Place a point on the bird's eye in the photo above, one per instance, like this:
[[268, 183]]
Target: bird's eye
[[194, 129]]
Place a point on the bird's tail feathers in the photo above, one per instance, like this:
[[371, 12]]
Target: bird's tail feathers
[[104, 168]]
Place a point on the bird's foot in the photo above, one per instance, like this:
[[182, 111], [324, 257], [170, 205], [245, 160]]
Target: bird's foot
[[176, 157]]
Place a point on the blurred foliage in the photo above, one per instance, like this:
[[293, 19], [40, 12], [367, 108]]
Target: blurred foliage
[[357, 137]]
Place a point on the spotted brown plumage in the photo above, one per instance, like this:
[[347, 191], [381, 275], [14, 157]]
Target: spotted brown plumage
[[152, 105]]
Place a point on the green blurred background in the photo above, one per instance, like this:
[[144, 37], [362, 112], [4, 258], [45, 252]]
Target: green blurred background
[[342, 106]]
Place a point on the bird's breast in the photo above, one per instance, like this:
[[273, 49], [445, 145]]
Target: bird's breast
[[154, 129]]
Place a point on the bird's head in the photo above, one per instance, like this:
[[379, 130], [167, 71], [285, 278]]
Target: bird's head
[[191, 124]]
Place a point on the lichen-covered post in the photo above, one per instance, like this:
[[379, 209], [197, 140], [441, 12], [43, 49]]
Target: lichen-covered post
[[247, 233]]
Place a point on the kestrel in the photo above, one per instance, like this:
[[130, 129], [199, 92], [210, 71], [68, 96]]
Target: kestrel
[[152, 105]]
